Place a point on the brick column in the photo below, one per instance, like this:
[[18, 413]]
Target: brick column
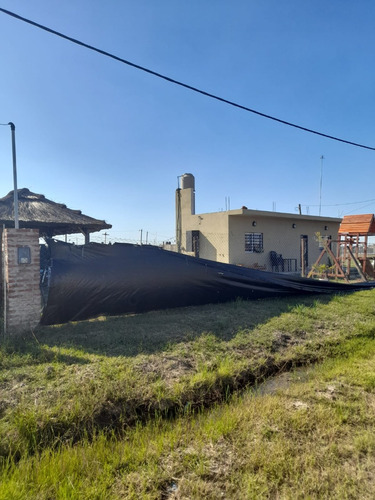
[[22, 276]]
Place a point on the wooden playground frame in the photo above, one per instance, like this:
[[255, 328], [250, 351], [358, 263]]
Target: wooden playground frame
[[351, 250]]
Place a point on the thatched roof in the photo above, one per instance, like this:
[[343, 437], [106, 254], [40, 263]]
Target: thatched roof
[[52, 219], [358, 224]]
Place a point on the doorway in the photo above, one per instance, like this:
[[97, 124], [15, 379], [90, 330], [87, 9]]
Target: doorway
[[304, 253], [195, 242]]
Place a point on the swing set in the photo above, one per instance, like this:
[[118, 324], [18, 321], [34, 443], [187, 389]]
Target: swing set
[[350, 261]]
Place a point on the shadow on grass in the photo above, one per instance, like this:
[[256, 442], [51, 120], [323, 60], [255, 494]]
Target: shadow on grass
[[152, 332], [27, 352]]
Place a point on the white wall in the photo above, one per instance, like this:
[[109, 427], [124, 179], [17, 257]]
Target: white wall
[[278, 236]]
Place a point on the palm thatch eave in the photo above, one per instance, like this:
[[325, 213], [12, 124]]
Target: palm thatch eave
[[35, 211]]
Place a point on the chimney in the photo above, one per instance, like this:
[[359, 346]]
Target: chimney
[[185, 203], [187, 183]]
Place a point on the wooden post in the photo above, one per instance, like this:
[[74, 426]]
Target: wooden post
[[365, 254]]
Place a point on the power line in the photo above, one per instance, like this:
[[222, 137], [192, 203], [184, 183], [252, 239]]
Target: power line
[[177, 82], [360, 208], [341, 204]]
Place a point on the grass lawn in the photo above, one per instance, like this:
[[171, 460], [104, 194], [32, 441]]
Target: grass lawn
[[114, 408]]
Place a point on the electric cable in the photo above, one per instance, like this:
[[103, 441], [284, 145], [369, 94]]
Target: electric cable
[[359, 208], [340, 204], [177, 82]]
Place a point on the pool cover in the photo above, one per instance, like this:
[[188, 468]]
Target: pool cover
[[96, 279]]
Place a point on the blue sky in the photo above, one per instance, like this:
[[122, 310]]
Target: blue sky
[[111, 140]]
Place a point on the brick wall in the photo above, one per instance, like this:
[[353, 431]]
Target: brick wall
[[23, 299]]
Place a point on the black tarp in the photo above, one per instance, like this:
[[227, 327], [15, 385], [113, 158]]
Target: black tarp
[[96, 279]]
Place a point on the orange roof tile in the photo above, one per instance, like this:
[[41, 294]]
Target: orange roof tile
[[358, 224]]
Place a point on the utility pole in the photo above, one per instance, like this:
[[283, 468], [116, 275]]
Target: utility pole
[[15, 191], [105, 238], [321, 183]]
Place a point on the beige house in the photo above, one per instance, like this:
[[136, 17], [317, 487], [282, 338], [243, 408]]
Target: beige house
[[270, 241]]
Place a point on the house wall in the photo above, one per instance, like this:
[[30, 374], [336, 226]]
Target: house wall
[[23, 299], [278, 236], [213, 235]]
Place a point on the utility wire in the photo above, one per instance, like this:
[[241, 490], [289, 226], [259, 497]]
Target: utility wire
[[176, 82], [341, 204], [359, 208]]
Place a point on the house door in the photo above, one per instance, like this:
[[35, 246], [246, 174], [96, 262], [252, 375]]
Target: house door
[[195, 242], [304, 254]]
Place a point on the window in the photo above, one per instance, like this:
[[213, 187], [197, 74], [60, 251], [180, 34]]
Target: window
[[254, 242]]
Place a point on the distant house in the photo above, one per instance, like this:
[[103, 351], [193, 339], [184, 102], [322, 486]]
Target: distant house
[[271, 241]]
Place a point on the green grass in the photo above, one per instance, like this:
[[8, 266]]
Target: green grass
[[70, 383], [310, 434]]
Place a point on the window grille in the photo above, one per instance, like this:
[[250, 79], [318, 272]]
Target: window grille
[[254, 242]]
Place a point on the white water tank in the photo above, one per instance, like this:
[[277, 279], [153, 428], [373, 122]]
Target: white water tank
[[187, 181]]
